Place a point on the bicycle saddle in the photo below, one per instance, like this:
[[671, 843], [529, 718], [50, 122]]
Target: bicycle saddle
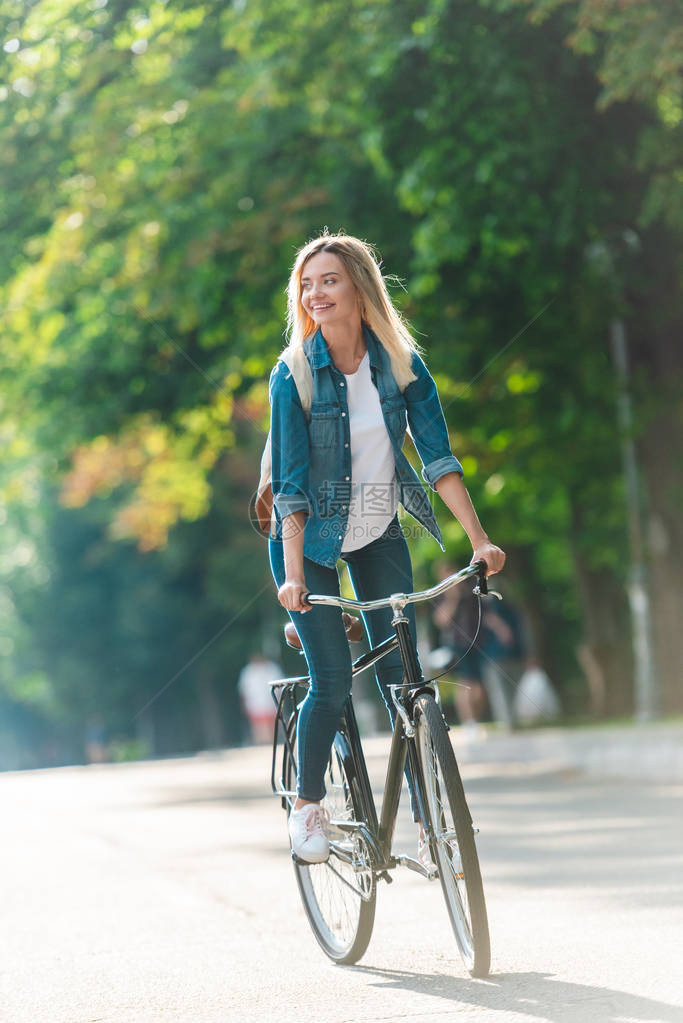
[[353, 626]]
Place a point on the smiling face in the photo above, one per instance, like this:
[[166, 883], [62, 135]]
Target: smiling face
[[327, 292]]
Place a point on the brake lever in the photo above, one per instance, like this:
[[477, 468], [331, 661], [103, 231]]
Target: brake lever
[[482, 587]]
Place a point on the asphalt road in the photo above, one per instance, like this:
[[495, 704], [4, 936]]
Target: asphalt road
[[163, 891]]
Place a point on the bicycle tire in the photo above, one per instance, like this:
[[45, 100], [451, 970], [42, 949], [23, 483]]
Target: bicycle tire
[[338, 898], [453, 845]]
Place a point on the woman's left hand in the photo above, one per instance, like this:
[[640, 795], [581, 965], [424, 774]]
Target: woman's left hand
[[492, 555]]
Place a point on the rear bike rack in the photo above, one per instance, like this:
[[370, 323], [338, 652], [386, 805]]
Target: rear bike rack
[[286, 715]]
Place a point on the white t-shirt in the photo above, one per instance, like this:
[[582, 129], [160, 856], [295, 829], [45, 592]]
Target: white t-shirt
[[374, 494]]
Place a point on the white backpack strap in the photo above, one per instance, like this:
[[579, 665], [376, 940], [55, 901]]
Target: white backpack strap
[[299, 367], [266, 467]]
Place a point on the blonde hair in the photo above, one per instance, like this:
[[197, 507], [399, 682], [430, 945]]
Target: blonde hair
[[377, 309]]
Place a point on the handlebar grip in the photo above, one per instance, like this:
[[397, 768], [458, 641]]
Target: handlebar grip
[[481, 575]]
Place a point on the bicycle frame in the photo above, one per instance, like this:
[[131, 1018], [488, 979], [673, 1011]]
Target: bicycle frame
[[377, 832]]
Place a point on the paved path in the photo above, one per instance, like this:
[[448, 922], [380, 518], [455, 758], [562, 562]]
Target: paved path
[[163, 891]]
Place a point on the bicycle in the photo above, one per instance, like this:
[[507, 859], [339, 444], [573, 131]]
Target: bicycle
[[339, 895]]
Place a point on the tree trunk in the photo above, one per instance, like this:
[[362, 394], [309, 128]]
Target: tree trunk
[[657, 359], [210, 713], [605, 653], [661, 458]]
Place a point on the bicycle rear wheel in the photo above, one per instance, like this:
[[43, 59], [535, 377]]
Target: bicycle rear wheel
[[339, 895], [453, 846]]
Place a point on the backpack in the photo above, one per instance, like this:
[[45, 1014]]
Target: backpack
[[264, 494]]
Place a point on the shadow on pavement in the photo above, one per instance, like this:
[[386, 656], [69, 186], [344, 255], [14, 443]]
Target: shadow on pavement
[[532, 994]]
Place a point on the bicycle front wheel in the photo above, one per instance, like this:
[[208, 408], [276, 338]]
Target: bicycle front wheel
[[339, 895], [452, 842]]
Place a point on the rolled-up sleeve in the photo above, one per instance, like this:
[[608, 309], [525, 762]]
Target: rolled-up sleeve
[[289, 444], [428, 425]]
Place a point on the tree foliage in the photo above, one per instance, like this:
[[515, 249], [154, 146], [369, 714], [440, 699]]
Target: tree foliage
[[515, 161]]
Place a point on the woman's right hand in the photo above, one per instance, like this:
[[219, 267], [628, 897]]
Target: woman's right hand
[[291, 595]]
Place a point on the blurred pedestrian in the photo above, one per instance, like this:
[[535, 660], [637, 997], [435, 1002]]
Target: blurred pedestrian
[[253, 686], [488, 672], [503, 650], [456, 615]]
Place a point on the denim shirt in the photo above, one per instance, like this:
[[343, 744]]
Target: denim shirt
[[311, 455]]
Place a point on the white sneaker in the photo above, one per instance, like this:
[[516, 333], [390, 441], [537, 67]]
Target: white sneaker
[[307, 833], [424, 855]]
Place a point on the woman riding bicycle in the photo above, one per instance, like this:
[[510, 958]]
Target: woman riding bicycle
[[338, 474]]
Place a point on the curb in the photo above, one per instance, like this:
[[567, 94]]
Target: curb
[[646, 752]]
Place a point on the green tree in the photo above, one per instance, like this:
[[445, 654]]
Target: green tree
[[516, 163]]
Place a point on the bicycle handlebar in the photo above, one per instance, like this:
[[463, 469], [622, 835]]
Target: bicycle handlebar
[[401, 599]]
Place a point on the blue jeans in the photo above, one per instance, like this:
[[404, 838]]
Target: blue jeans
[[380, 568]]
